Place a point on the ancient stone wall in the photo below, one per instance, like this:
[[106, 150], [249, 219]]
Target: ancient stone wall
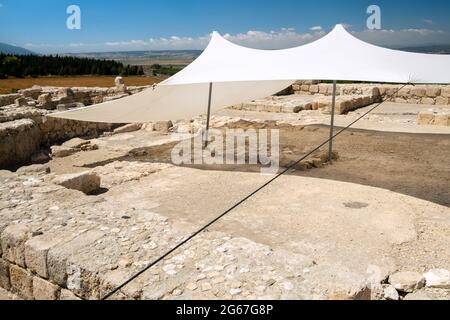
[[419, 94], [25, 126]]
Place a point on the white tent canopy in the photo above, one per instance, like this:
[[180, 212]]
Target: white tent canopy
[[242, 74]]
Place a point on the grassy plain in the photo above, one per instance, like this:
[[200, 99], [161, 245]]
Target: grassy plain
[[7, 85]]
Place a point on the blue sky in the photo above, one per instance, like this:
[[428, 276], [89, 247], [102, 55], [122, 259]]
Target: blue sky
[[110, 25]]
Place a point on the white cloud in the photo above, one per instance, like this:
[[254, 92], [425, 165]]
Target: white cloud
[[274, 39], [428, 21]]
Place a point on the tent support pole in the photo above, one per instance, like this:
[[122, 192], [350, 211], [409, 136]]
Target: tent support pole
[[333, 109], [208, 116]]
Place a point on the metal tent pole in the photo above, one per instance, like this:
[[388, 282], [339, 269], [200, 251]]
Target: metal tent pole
[[209, 114], [333, 109]]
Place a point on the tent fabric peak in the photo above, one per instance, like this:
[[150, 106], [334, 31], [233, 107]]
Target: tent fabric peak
[[241, 74]]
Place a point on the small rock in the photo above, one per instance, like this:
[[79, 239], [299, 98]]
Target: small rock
[[177, 292], [438, 278], [235, 291], [391, 294], [191, 286], [206, 286], [86, 182], [407, 281], [125, 263], [119, 81]]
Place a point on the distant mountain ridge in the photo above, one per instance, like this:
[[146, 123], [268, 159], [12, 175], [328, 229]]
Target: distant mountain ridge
[[9, 49], [435, 49]]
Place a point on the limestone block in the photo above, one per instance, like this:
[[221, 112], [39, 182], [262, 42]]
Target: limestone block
[[445, 92], [427, 101], [163, 126], [438, 278], [128, 128], [405, 92], [67, 295], [413, 101], [44, 290], [36, 250], [441, 120], [407, 281], [45, 102], [21, 282], [13, 240], [433, 92], [425, 118], [314, 88], [75, 143], [62, 151], [86, 182], [305, 87], [418, 92], [4, 274], [442, 100]]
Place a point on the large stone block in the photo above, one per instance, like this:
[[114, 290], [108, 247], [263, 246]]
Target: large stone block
[[86, 182], [425, 118], [407, 281], [4, 274], [67, 295], [418, 92], [442, 100], [128, 128], [58, 256], [442, 120], [433, 92], [21, 282], [36, 250], [44, 290], [13, 240], [163, 126], [445, 92], [314, 88], [429, 101]]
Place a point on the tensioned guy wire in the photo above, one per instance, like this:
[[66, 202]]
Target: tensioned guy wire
[[193, 235]]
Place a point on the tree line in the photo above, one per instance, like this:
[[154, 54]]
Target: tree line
[[21, 66]]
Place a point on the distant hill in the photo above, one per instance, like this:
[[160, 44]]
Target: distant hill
[[9, 49], [435, 49], [145, 58]]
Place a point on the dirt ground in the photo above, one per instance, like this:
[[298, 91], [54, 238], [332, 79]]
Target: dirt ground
[[417, 165], [6, 85]]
